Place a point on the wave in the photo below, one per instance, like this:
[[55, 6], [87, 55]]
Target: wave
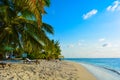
[[113, 70], [117, 72], [102, 73]]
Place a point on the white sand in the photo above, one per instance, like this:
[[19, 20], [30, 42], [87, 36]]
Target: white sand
[[46, 70]]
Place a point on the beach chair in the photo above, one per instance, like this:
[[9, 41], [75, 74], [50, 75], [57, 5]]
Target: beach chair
[[31, 61]]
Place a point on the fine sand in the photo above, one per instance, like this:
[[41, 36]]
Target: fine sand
[[46, 70]]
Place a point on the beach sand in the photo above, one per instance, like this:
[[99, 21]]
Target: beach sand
[[46, 70]]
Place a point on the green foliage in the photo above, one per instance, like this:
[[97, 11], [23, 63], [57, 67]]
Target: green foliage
[[52, 50], [22, 29], [36, 56]]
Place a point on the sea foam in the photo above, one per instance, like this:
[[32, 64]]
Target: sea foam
[[101, 73]]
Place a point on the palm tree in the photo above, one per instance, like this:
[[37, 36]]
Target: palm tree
[[19, 22], [52, 50], [32, 36], [17, 27], [33, 8]]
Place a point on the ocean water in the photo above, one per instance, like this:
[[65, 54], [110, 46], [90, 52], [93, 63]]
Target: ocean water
[[102, 68], [109, 63], [12, 61]]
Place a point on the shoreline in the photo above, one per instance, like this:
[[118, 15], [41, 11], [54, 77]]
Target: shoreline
[[83, 73], [46, 70], [102, 73]]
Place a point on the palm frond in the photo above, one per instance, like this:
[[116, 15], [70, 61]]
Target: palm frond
[[47, 28]]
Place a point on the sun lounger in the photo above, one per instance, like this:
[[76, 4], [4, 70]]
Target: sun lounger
[[31, 61]]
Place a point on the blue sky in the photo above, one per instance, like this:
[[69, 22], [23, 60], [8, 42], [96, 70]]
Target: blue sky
[[86, 28]]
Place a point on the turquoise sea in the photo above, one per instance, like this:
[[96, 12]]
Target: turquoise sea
[[102, 68], [110, 63]]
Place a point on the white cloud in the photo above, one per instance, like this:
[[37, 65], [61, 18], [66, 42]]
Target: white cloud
[[90, 13], [118, 8], [107, 49], [116, 45], [70, 46], [101, 40], [107, 45], [115, 6], [79, 44]]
